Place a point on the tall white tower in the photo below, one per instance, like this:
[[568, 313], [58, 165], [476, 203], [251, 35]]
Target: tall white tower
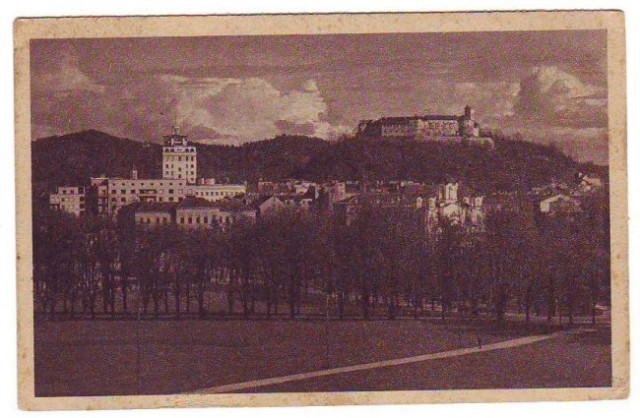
[[179, 159]]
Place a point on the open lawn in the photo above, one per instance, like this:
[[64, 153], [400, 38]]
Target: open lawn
[[81, 358]]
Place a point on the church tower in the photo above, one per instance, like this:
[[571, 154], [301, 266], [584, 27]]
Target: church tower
[[179, 158]]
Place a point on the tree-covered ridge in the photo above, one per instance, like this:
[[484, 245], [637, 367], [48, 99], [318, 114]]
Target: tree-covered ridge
[[512, 165]]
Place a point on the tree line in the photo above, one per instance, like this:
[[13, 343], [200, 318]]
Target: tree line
[[291, 264]]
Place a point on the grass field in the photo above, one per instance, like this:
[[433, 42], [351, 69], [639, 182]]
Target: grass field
[[82, 358]]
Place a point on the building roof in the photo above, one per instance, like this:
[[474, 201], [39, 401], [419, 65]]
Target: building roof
[[191, 202], [402, 119], [155, 207], [232, 205]]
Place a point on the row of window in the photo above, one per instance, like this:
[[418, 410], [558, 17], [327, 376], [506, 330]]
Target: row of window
[[134, 184], [171, 173], [222, 193], [79, 190], [67, 206], [205, 220], [133, 191], [187, 149], [187, 220], [169, 199], [80, 199], [179, 168], [179, 157]]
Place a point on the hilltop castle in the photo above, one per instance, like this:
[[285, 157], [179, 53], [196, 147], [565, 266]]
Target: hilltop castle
[[436, 128]]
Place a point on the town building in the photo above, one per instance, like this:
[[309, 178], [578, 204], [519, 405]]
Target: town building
[[154, 214], [123, 192], [70, 199], [193, 212], [209, 190], [269, 205]]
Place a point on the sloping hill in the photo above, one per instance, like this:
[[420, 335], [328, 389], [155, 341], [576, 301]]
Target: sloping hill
[[73, 158]]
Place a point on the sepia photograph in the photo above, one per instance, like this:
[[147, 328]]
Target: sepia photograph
[[326, 205]]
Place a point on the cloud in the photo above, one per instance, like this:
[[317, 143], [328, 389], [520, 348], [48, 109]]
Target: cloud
[[65, 78], [246, 109], [561, 99], [210, 109]]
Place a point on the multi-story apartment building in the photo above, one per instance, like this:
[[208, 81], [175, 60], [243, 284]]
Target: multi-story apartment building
[[179, 158], [71, 199]]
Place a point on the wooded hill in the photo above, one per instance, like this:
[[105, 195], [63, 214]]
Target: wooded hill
[[72, 159]]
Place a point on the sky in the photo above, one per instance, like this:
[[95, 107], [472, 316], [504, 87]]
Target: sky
[[550, 86]]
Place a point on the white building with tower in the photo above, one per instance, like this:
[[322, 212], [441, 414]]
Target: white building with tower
[[179, 158]]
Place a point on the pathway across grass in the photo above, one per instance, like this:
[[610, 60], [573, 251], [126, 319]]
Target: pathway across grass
[[375, 365], [91, 358]]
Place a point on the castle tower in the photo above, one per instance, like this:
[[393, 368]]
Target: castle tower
[[469, 112], [450, 193], [179, 158]]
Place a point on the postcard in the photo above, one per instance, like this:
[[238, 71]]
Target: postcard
[[323, 209]]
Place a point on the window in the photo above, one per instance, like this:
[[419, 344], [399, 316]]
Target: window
[[197, 219], [205, 220], [123, 200], [133, 191], [182, 219], [164, 221], [157, 220], [170, 191], [190, 220], [123, 191], [113, 192]]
